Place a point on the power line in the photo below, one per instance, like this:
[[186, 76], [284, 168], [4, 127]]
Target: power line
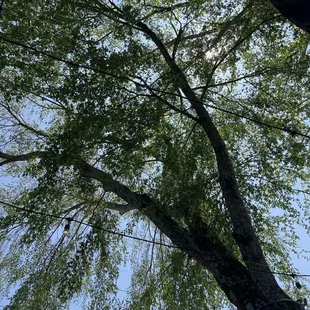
[[293, 275], [90, 225], [68, 62], [74, 64], [288, 130]]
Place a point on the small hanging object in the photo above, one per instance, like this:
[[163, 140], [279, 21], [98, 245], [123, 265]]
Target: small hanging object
[[139, 89], [297, 138], [67, 226], [295, 135], [192, 261], [298, 285]]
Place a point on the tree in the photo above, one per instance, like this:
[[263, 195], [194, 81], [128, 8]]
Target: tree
[[179, 119]]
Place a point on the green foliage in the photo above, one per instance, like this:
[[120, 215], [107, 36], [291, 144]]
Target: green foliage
[[68, 89]]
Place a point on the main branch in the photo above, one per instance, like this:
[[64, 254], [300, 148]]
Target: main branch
[[198, 242], [243, 231]]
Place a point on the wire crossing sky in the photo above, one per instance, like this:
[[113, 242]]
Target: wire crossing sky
[[293, 275], [291, 131]]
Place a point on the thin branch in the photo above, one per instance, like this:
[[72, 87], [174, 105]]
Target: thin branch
[[74, 207], [233, 48], [58, 104], [254, 74], [234, 101], [167, 103], [177, 41], [22, 123], [152, 256], [47, 107], [162, 9], [103, 37], [1, 7], [54, 253]]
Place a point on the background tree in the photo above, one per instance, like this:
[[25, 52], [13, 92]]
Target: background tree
[[173, 118]]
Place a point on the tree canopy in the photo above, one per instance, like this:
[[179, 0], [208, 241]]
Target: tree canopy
[[161, 133]]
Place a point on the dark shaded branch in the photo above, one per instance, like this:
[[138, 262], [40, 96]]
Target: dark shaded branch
[[296, 12], [15, 158], [177, 42], [1, 6]]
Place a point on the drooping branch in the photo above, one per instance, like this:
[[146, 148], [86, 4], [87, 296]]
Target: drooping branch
[[198, 242], [231, 50], [22, 123]]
